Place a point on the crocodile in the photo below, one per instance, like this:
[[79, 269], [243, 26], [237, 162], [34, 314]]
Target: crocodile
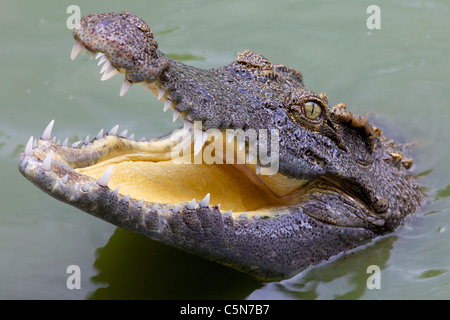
[[264, 177]]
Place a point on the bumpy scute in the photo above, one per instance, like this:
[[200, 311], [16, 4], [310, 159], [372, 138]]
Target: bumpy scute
[[127, 41]]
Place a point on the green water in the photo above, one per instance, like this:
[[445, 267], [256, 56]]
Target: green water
[[399, 74]]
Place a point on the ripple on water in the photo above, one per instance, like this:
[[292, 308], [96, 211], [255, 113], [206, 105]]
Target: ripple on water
[[431, 273]]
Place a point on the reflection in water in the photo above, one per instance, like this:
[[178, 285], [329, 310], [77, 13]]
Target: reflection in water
[[343, 278], [185, 57], [443, 193], [135, 267]]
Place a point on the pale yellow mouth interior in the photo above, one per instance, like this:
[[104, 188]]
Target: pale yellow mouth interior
[[155, 177]]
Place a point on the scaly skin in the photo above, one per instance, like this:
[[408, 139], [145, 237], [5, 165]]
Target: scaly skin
[[347, 183]]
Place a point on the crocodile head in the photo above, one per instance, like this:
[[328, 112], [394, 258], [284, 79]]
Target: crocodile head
[[264, 176]]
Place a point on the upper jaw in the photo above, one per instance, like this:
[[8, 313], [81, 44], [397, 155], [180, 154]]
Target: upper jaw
[[136, 56], [195, 128]]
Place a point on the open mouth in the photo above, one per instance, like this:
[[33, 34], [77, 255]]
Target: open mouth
[[330, 183], [175, 170]]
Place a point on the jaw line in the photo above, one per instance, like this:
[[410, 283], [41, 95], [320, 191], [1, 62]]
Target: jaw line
[[249, 171], [52, 166]]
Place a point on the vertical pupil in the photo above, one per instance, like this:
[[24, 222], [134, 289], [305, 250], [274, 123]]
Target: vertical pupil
[[312, 110]]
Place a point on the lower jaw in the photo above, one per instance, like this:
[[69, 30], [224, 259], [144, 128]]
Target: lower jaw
[[232, 186]]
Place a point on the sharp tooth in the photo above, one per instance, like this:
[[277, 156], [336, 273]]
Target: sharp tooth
[[126, 85], [86, 141], [116, 191], [142, 139], [99, 55], [187, 125], [230, 136], [109, 74], [58, 142], [54, 139], [131, 137], [258, 169], [106, 66], [241, 145], [167, 105], [65, 178], [65, 142], [229, 213], [249, 157], [199, 141], [140, 203], [75, 144], [243, 215], [175, 210], [29, 147], [191, 205], [77, 47], [127, 198], [257, 216], [205, 202], [47, 163], [102, 60], [216, 134], [104, 179], [113, 131], [161, 93], [47, 135], [155, 207], [176, 114], [99, 134], [123, 134]]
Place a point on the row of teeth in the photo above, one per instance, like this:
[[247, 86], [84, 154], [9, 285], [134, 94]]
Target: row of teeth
[[198, 143], [32, 144], [108, 71], [104, 179]]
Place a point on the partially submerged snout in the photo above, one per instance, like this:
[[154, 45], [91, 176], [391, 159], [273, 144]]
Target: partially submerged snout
[[263, 176]]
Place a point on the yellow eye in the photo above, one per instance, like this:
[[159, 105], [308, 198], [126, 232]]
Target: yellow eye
[[312, 110]]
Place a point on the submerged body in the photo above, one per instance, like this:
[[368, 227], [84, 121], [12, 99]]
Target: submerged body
[[329, 182]]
